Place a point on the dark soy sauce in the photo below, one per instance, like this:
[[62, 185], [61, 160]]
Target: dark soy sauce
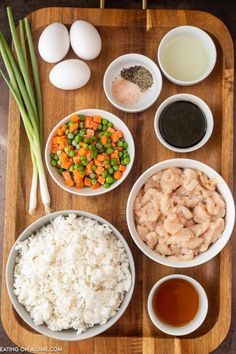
[[182, 124], [176, 302]]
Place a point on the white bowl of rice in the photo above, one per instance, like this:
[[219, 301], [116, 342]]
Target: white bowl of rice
[[70, 275]]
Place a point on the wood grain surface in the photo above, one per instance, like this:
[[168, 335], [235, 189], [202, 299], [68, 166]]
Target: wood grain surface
[[123, 32]]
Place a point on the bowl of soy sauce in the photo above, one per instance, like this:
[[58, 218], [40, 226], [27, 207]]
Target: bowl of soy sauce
[[183, 123]]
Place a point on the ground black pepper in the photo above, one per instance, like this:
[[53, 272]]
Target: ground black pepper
[[139, 76]]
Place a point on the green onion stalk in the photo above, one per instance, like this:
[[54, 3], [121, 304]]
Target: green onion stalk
[[29, 100]]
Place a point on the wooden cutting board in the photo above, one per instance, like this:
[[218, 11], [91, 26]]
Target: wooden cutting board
[[126, 31]]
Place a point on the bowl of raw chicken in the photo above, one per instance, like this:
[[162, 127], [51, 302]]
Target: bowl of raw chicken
[[180, 213]]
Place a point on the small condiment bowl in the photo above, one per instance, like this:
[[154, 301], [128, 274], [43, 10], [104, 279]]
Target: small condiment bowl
[[203, 107], [204, 39], [189, 327], [86, 191], [125, 61]]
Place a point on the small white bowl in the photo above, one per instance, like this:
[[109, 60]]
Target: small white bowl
[[203, 107], [205, 40], [69, 334], [125, 61], [191, 326], [223, 189], [86, 191]]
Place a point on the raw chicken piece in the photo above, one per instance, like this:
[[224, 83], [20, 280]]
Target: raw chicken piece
[[151, 239], [172, 224], [181, 236], [200, 214], [215, 205], [199, 229], [170, 180], [166, 205], [163, 249], [190, 179]]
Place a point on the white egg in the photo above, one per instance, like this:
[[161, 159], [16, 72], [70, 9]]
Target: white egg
[[70, 74], [85, 40], [54, 42]]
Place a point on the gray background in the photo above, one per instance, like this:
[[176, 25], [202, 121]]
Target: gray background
[[225, 10]]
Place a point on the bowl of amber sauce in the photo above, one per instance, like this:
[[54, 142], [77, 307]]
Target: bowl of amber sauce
[[177, 304]]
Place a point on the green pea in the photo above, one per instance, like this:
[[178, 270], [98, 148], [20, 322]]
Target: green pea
[[58, 163], [70, 123], [74, 143], [94, 138], [125, 145], [71, 169], [52, 155], [70, 136], [81, 117], [125, 154], [85, 146], [108, 134], [67, 149], [66, 131], [99, 126], [104, 174], [92, 147], [106, 185], [104, 128], [109, 180], [81, 168], [99, 146], [94, 154], [69, 142], [56, 157], [115, 168], [92, 175], [60, 170], [107, 146], [75, 132], [77, 146], [113, 162], [77, 138], [109, 151], [94, 167], [81, 125], [87, 140], [94, 181], [104, 121], [83, 158], [100, 135], [84, 163], [77, 166], [72, 153], [120, 154], [53, 162], [110, 170], [126, 161], [119, 143], [81, 132], [109, 124]]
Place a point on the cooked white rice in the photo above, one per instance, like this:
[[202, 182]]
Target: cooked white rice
[[73, 273]]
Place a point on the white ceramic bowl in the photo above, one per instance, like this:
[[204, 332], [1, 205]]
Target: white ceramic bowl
[[70, 334], [205, 40], [203, 107], [125, 61], [223, 189], [118, 124], [191, 326]]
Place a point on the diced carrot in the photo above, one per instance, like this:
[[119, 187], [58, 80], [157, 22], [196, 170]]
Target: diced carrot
[[66, 164], [102, 157], [66, 175], [59, 131], [73, 127], [99, 170], [119, 134], [95, 186], [101, 179], [80, 185], [111, 130], [70, 147], [103, 140], [95, 125], [120, 148], [74, 118], [115, 154], [88, 124], [88, 118], [114, 137], [63, 157], [82, 152], [76, 159], [54, 140], [98, 163], [54, 148], [88, 169], [97, 119], [107, 166], [69, 182], [113, 144], [61, 138], [117, 175], [122, 168], [78, 176], [87, 182], [89, 132], [89, 155], [63, 128]]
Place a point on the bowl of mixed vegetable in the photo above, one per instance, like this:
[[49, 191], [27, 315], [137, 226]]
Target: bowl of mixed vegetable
[[90, 152]]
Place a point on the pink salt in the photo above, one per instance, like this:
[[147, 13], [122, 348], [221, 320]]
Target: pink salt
[[126, 92]]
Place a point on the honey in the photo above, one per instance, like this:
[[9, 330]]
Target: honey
[[176, 302]]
